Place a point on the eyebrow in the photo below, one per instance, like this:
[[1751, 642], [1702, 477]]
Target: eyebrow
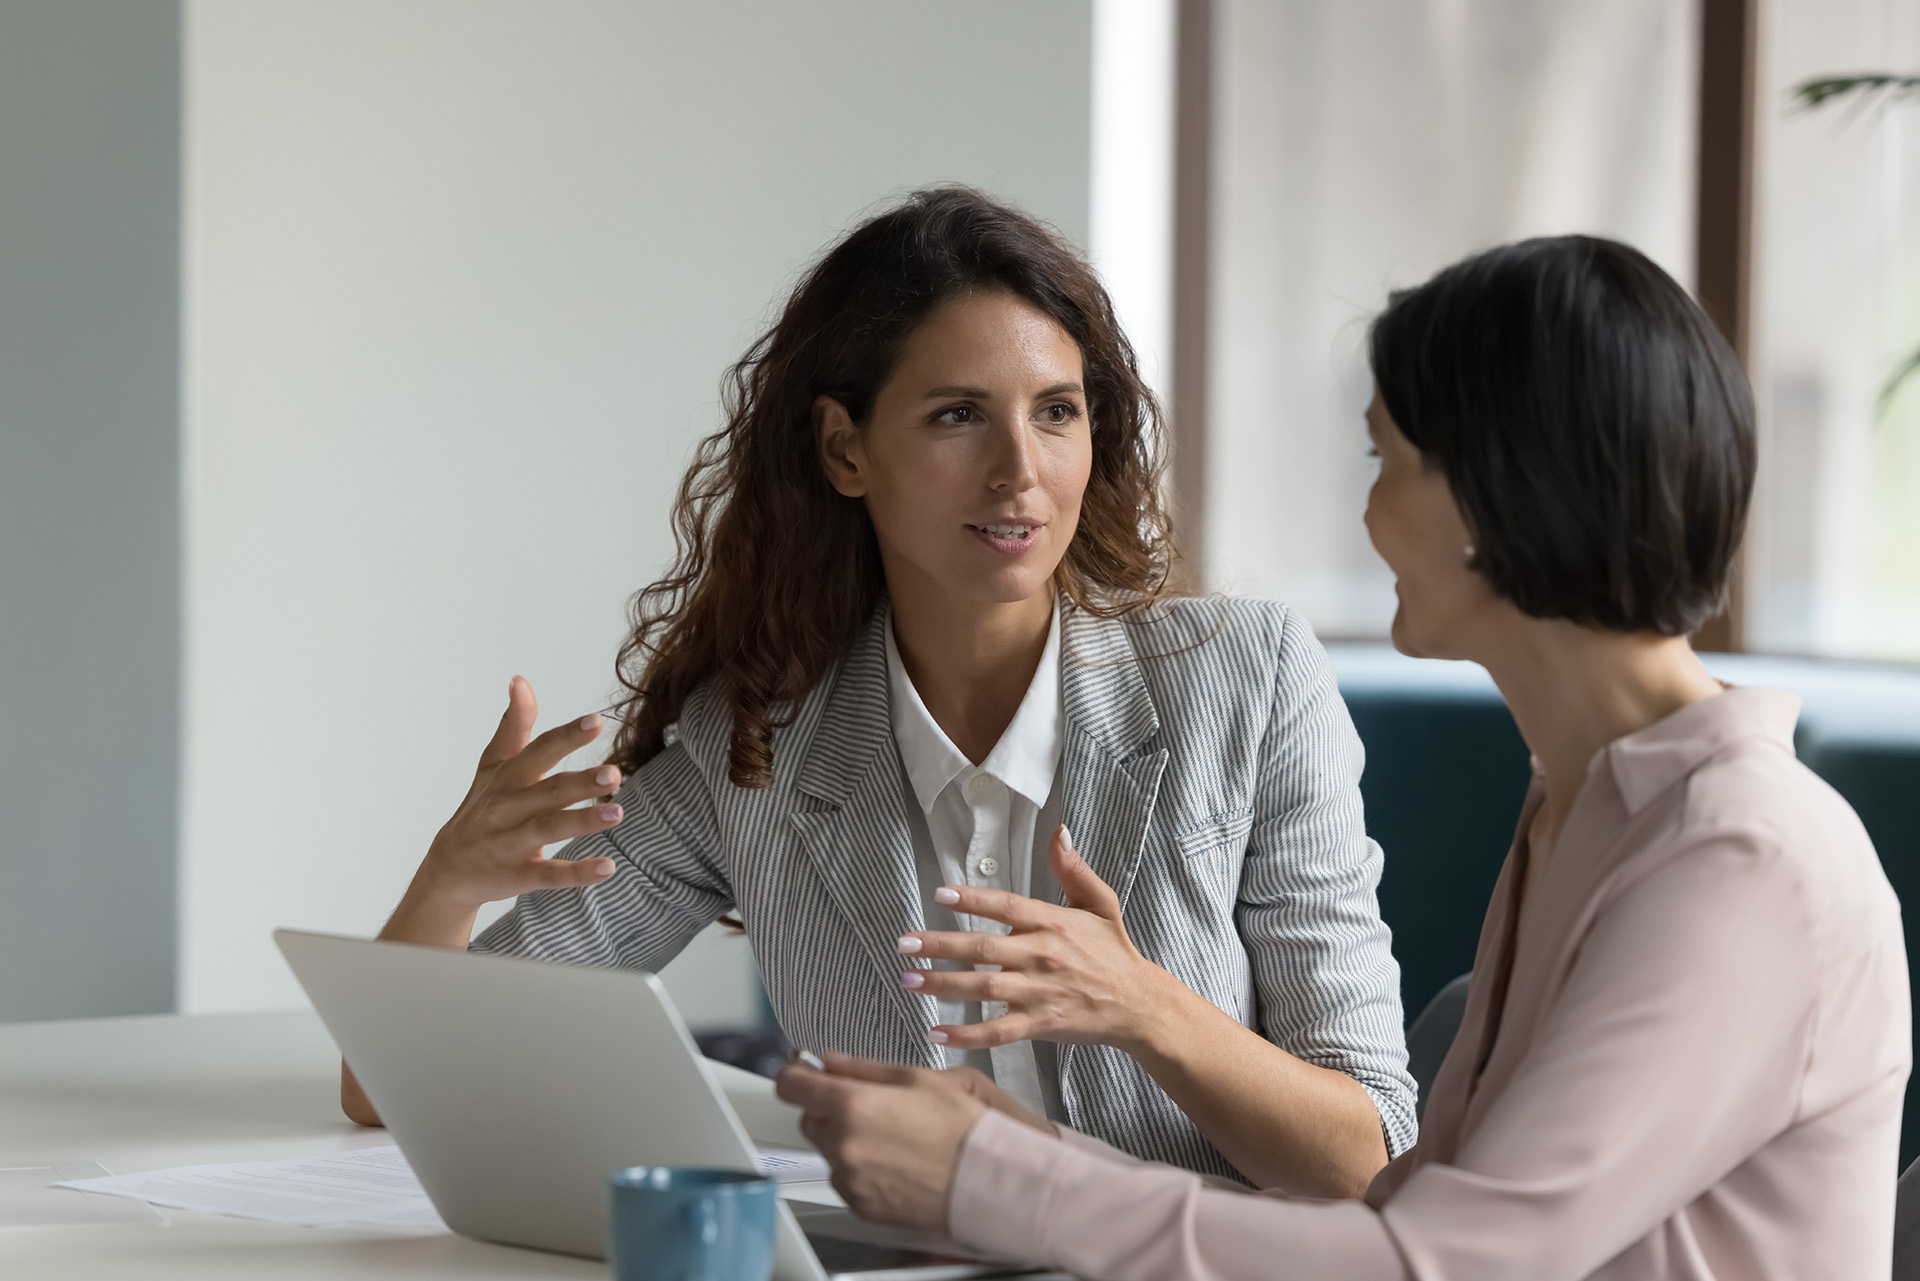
[[981, 393]]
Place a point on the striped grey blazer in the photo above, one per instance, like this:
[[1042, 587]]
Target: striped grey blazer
[[1211, 777]]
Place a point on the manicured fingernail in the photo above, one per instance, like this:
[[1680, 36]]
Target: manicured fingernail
[[590, 721], [936, 1038], [946, 894], [603, 869], [912, 978], [907, 944], [606, 775], [610, 813], [1066, 836]]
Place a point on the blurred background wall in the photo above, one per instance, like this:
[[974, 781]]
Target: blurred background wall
[[461, 280], [89, 506], [350, 351]]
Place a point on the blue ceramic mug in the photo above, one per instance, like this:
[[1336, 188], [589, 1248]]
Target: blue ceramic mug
[[685, 1223]]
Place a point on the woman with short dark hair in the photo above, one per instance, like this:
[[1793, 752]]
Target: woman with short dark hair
[[1687, 1035], [920, 619]]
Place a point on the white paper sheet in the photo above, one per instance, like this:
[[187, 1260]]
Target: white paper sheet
[[365, 1186], [792, 1165], [373, 1186]]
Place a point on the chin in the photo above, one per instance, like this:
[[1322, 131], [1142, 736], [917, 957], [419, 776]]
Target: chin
[[1415, 642], [1012, 593], [1401, 634], [1008, 587]]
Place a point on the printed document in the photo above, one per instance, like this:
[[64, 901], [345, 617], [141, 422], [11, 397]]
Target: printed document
[[365, 1186]]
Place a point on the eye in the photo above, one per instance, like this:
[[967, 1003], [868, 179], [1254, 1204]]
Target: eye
[[956, 415], [1060, 413]]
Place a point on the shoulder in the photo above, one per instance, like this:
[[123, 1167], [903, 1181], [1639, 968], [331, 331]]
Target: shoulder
[[704, 733], [1231, 680], [1234, 644], [1782, 822]]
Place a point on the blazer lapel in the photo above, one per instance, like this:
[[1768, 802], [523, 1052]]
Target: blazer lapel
[[1110, 779], [853, 827]]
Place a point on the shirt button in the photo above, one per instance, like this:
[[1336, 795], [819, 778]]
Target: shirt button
[[988, 866], [980, 786]]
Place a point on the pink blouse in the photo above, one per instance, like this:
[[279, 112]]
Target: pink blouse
[[1687, 1062]]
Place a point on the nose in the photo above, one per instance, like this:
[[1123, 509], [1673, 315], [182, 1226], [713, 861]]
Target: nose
[[1012, 464]]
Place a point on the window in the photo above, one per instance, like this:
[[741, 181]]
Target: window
[[1835, 544]]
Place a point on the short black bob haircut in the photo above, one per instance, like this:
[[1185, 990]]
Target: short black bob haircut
[[1594, 426]]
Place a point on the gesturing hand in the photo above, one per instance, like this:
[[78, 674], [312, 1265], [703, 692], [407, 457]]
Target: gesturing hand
[[1066, 973], [491, 847]]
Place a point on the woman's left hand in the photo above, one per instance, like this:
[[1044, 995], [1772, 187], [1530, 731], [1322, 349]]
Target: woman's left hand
[[892, 1134], [1066, 973]]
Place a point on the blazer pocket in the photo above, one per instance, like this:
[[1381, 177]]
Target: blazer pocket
[[1222, 830]]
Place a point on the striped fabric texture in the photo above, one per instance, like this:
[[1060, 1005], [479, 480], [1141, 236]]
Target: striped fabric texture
[[1211, 777]]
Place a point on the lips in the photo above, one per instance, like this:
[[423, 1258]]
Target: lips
[[1010, 536]]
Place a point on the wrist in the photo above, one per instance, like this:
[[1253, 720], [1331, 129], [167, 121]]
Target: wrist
[[1158, 1026], [433, 911]]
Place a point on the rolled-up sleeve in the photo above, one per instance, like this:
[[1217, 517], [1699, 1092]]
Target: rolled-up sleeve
[[666, 887], [1327, 984]]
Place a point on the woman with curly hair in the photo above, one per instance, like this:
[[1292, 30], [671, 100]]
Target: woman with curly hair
[[920, 629]]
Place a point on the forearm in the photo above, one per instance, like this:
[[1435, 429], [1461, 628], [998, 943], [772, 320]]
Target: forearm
[[425, 916], [1020, 1195], [1283, 1123]]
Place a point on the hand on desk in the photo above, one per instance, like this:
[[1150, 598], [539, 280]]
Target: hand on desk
[[1066, 973], [893, 1134]]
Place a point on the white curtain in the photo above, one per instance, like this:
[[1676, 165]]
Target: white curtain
[[1360, 145]]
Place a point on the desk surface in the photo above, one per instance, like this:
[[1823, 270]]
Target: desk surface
[[147, 1093]]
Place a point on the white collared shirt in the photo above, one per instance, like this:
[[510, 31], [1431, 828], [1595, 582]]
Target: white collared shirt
[[987, 825]]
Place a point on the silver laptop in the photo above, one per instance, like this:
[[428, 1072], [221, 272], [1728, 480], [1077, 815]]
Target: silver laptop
[[514, 1087]]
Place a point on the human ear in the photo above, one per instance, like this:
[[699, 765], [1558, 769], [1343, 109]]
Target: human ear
[[843, 452]]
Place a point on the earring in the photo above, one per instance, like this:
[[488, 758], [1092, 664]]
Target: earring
[[1470, 553]]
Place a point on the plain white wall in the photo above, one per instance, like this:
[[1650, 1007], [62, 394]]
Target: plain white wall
[[461, 277]]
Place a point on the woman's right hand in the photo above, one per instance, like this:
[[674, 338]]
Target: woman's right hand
[[491, 847]]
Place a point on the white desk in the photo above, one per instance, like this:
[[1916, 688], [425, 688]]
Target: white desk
[[149, 1093], [146, 1093]]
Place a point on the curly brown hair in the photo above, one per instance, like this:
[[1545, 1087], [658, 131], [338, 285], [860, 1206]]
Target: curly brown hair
[[776, 571]]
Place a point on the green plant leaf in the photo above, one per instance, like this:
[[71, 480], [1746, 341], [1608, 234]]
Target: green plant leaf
[[1821, 90], [1908, 368], [1864, 87]]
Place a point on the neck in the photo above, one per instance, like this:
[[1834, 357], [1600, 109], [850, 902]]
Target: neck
[[971, 662], [1573, 690]]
